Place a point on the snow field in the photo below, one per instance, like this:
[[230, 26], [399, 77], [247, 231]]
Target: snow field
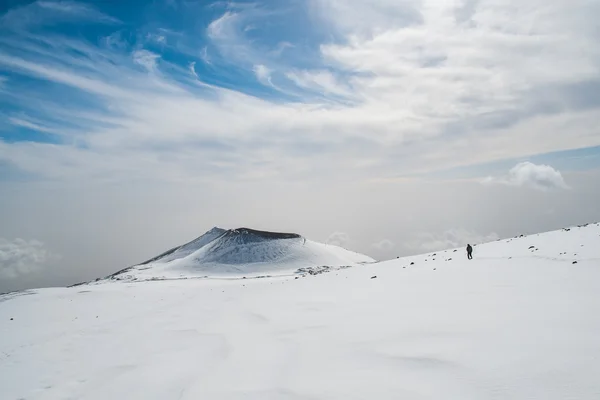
[[514, 323]]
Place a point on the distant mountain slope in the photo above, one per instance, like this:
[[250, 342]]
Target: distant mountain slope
[[565, 245], [242, 252]]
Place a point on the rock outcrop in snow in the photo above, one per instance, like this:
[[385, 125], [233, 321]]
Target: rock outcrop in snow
[[242, 252]]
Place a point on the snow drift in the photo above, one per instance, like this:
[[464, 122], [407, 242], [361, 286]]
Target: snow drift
[[242, 252]]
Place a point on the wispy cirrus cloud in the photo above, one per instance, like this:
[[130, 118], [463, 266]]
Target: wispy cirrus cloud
[[43, 13], [263, 74], [146, 59], [29, 123], [204, 56], [228, 33], [322, 81]]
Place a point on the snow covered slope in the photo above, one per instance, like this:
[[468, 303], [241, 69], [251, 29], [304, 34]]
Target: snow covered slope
[[188, 248], [513, 323], [242, 252]]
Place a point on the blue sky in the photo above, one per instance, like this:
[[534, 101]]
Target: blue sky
[[320, 96]]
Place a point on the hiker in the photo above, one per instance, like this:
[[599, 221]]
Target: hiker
[[469, 252]]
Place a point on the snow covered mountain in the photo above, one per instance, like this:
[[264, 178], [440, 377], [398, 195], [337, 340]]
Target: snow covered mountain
[[519, 321], [242, 252]]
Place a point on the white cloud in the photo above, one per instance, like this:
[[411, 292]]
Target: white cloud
[[281, 47], [49, 72], [449, 239], [219, 28], [227, 33], [50, 12], [31, 124], [263, 74], [526, 174], [146, 59], [192, 67], [384, 245], [338, 239], [19, 257], [115, 41], [323, 81], [204, 56], [368, 18], [157, 38]]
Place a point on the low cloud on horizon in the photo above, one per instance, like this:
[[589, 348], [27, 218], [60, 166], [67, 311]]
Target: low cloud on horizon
[[450, 239], [527, 174], [20, 257]]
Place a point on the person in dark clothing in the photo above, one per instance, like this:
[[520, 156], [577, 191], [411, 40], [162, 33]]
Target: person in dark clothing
[[469, 252]]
